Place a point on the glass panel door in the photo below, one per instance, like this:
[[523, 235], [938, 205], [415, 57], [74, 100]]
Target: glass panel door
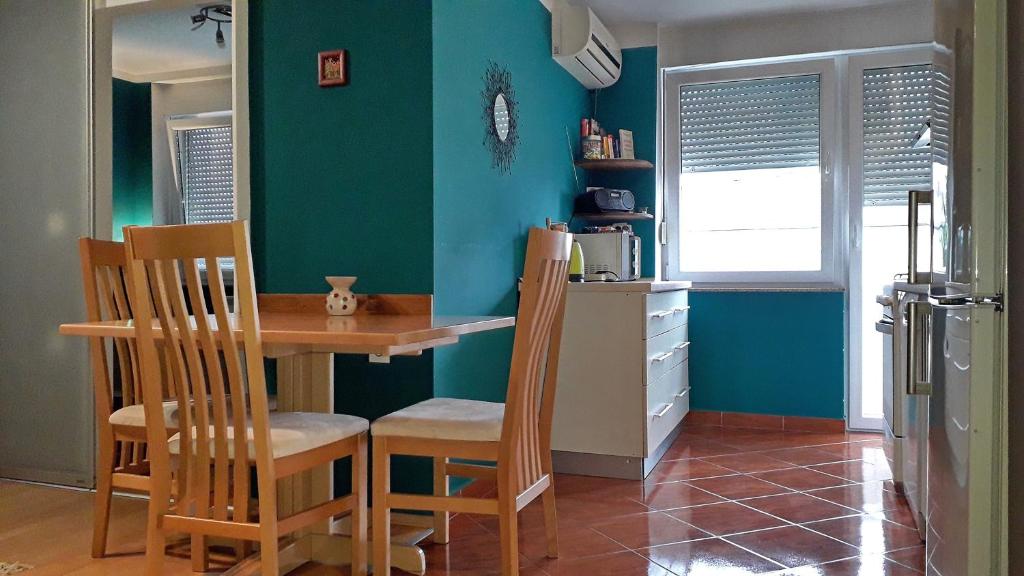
[[891, 149]]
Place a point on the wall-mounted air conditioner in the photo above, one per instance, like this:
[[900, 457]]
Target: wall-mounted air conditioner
[[583, 46]]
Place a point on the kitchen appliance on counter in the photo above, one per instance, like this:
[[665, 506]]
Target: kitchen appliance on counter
[[610, 256], [906, 413]]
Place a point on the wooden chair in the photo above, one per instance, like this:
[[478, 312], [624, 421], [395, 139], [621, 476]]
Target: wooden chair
[[122, 462], [516, 435], [213, 354]]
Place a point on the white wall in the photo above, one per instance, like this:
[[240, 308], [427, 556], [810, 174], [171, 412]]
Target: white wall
[[907, 22], [172, 100]]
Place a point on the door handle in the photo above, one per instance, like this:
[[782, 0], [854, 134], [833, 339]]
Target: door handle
[[919, 349], [917, 197]]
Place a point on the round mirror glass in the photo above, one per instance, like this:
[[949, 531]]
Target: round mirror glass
[[501, 117]]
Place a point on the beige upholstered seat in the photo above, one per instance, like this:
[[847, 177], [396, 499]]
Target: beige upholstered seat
[[135, 415], [445, 419], [296, 432]]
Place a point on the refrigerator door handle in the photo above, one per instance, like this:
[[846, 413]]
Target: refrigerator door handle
[[919, 349], [917, 197]]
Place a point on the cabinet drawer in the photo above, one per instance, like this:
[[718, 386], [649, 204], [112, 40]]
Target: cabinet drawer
[[665, 352], [664, 311], [668, 401]]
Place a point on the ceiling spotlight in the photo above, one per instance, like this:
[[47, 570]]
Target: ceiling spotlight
[[219, 13]]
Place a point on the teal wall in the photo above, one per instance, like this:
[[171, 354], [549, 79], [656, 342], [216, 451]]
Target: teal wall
[[133, 157], [768, 352], [481, 215], [342, 176], [632, 104]]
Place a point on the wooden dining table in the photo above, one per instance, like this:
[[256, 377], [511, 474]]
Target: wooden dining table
[[298, 332]]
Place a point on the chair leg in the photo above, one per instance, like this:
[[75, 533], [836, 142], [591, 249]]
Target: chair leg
[[270, 564], [508, 520], [551, 519], [104, 488], [159, 497], [441, 517], [359, 470], [200, 555], [381, 513]]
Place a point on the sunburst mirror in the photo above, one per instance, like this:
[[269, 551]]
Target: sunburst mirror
[[500, 116]]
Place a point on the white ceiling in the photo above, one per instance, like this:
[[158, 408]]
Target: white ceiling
[[674, 12], [161, 46]]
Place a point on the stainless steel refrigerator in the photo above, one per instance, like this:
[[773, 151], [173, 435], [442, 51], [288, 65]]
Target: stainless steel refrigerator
[[957, 337]]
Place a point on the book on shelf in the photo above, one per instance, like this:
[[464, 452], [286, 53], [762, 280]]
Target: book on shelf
[[626, 145]]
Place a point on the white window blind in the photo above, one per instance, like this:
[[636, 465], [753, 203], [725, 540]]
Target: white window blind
[[750, 124], [897, 104], [204, 156]]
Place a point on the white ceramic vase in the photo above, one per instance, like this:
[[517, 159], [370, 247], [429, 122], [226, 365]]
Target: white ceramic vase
[[341, 301]]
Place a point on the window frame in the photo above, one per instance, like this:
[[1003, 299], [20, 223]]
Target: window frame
[[829, 275], [183, 122]]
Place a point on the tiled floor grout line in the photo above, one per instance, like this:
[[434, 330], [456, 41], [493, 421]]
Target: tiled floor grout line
[[887, 557]]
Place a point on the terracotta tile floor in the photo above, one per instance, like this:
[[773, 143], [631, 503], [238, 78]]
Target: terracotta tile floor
[[723, 502]]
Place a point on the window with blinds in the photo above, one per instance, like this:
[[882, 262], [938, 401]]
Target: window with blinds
[[749, 124], [750, 185], [207, 190], [897, 104]]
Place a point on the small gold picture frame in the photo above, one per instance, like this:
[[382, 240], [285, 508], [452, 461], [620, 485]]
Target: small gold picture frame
[[332, 68]]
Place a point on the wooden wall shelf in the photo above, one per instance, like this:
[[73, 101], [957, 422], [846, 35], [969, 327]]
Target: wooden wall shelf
[[611, 217], [614, 164]]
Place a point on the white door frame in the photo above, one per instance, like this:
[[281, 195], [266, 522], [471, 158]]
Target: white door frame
[[102, 18], [856, 65]]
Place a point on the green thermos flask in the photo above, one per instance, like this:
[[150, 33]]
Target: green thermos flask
[[576, 262]]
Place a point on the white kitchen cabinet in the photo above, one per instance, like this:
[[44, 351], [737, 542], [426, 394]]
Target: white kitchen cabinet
[[623, 377]]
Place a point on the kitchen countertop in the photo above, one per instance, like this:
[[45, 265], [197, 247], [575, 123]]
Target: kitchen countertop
[[646, 285]]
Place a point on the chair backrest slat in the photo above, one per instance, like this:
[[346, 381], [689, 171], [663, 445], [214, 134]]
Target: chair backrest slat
[[527, 427], [104, 278], [213, 370]]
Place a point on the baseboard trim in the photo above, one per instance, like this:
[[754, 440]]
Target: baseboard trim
[[765, 421]]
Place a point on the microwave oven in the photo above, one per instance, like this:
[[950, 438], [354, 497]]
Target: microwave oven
[[610, 256]]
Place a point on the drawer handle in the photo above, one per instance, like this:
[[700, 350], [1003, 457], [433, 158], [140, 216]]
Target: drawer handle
[[683, 393], [662, 357], [665, 313], [664, 410], [681, 346]]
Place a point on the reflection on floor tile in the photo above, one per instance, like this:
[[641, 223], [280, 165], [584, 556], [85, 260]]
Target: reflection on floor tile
[[726, 518], [794, 546], [712, 556], [650, 529], [799, 507], [868, 532]]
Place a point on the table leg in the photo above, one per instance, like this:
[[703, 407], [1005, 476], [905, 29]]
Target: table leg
[[305, 383]]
